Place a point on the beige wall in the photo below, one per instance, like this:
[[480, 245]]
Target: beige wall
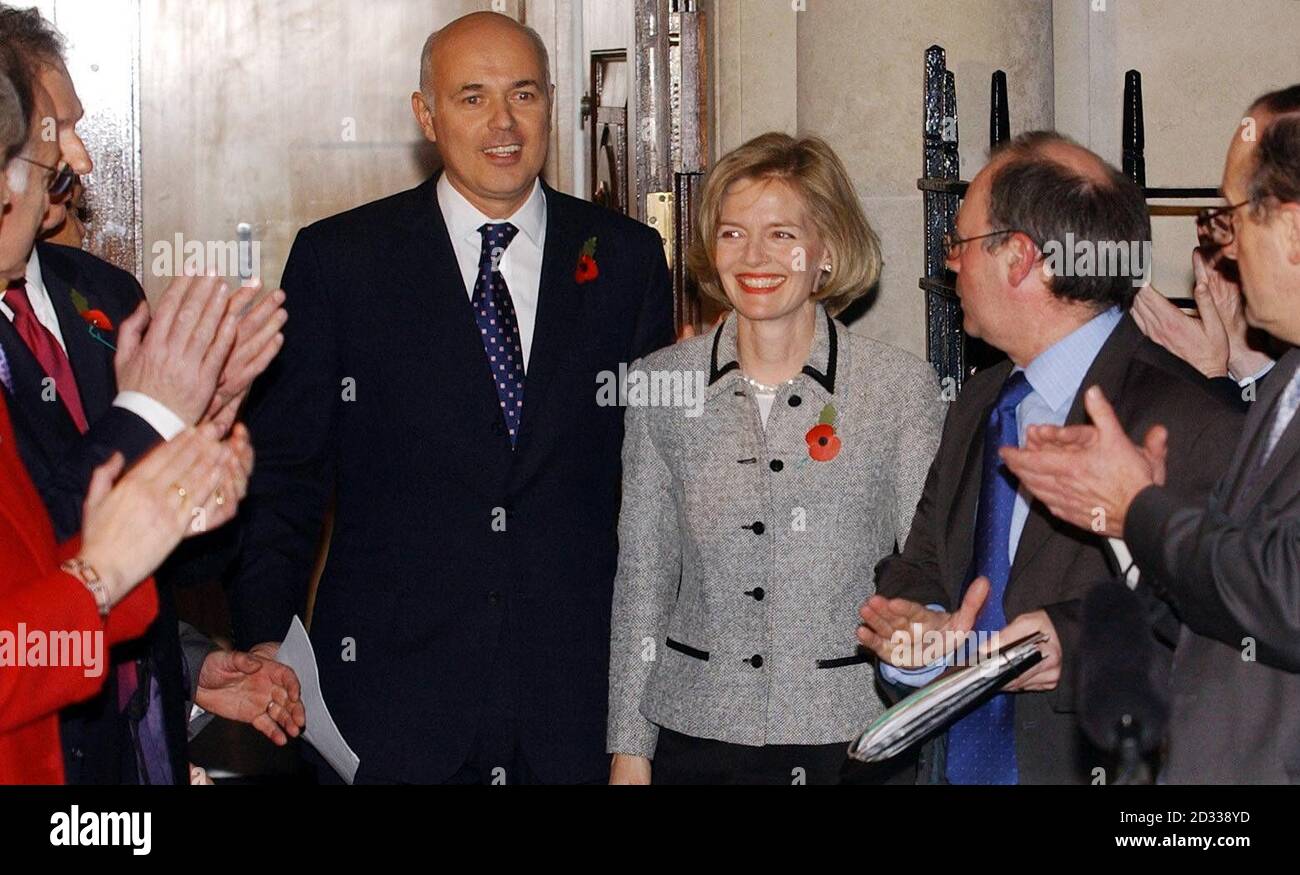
[[860, 87], [243, 103], [851, 71], [1202, 62], [755, 70], [277, 114]]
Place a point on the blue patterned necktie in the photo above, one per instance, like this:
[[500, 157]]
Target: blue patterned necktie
[[982, 745], [6, 376], [497, 323]]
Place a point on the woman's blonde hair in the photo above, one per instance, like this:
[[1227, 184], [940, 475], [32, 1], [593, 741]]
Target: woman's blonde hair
[[813, 169]]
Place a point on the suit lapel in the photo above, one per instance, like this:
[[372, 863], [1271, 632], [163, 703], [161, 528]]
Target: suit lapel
[[92, 361], [558, 333], [429, 302], [48, 421]]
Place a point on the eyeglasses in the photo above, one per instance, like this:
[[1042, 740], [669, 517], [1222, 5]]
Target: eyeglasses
[[62, 180], [1216, 223], [952, 244]]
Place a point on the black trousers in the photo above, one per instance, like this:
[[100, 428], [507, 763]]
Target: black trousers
[[685, 759]]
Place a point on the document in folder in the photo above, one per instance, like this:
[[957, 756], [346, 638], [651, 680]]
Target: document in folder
[[321, 731], [941, 702]]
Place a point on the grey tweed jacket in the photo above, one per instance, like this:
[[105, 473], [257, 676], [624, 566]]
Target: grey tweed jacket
[[743, 558]]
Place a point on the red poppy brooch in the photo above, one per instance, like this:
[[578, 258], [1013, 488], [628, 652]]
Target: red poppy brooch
[[823, 442], [587, 269], [97, 321]]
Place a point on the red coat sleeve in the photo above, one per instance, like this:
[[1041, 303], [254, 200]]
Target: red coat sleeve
[[131, 617], [59, 603]]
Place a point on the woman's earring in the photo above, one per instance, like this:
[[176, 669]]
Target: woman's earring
[[826, 268]]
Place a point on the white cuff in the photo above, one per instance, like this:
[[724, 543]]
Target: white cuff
[[1252, 378], [160, 418]]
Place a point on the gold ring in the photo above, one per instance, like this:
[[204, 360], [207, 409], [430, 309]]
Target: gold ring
[[270, 705], [180, 490], [220, 499]]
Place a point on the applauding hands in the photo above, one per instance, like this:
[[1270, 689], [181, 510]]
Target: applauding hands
[[1216, 340], [133, 521], [890, 629], [198, 351], [1088, 475]]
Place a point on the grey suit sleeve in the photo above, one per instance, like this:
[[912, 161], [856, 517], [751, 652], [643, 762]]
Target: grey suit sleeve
[[645, 589], [195, 647], [1228, 579]]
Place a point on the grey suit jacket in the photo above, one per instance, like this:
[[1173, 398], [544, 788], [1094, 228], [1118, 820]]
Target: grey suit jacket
[[742, 559], [1232, 572]]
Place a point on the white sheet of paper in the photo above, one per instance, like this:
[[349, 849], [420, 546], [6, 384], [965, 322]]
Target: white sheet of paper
[[296, 652]]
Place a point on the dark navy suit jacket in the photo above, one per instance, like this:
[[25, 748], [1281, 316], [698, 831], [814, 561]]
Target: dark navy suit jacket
[[382, 399]]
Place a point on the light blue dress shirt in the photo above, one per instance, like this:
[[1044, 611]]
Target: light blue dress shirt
[[1055, 377]]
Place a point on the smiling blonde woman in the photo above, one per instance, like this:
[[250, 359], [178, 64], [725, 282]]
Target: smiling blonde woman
[[749, 532]]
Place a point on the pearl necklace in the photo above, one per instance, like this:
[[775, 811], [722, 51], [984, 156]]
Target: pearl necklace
[[764, 388]]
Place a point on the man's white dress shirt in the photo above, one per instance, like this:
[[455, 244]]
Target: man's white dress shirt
[[521, 264]]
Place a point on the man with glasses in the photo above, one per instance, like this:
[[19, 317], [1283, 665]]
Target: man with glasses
[[90, 374], [1230, 565], [59, 181], [981, 555]]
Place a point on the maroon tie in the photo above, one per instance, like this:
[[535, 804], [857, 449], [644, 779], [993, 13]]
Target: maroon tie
[[52, 358]]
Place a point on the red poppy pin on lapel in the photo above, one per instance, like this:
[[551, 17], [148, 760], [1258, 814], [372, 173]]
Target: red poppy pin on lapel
[[97, 321], [587, 269], [823, 443]]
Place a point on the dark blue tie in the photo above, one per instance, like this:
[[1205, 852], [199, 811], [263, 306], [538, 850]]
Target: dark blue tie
[[497, 323], [982, 745]]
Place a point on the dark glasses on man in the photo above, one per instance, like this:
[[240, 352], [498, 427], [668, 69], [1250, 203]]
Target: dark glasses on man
[[62, 180]]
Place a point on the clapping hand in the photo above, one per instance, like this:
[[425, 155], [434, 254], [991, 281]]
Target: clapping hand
[[1088, 475], [132, 522], [198, 352], [258, 340], [1215, 340], [1219, 277], [175, 353], [1201, 340], [236, 468], [889, 625]]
